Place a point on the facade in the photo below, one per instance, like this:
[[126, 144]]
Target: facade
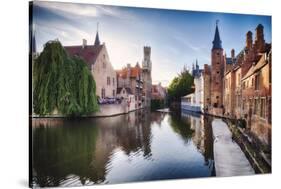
[[188, 103], [123, 92], [247, 86], [217, 67], [131, 79], [229, 85], [158, 92], [206, 87], [97, 59], [195, 101], [256, 98], [146, 74], [240, 86]]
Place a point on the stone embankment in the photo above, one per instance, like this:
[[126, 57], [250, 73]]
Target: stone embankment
[[229, 158]]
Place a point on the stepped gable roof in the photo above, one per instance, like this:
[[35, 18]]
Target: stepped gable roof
[[254, 68], [88, 53]]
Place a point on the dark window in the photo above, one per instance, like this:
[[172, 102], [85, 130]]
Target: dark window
[[256, 107], [108, 80], [218, 72], [262, 108], [113, 93], [257, 82], [113, 81], [218, 63], [103, 93]]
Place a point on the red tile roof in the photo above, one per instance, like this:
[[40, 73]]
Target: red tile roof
[[89, 53], [135, 72]]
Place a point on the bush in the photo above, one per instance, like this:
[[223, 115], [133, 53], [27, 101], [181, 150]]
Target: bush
[[157, 104]]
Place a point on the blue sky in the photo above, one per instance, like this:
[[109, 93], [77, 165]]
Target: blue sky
[[177, 38]]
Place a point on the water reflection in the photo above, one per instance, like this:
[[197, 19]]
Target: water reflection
[[134, 147]]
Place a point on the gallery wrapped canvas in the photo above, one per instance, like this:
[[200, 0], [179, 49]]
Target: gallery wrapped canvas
[[126, 94]]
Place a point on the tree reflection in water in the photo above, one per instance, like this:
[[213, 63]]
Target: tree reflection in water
[[94, 150]]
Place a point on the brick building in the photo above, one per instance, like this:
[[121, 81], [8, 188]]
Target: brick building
[[206, 87], [158, 92], [241, 85], [131, 79], [217, 67], [97, 59]]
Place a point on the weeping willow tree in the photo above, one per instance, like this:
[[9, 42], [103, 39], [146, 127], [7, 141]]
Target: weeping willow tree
[[62, 84]]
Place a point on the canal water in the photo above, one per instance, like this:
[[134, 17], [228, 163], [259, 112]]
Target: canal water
[[139, 146]]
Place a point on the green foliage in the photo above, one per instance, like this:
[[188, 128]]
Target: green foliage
[[157, 104], [62, 83], [180, 86]]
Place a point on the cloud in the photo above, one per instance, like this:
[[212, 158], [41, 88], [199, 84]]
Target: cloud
[[74, 10], [185, 42], [66, 9]]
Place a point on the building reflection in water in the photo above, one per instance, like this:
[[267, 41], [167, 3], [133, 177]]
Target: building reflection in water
[[202, 136], [119, 149]]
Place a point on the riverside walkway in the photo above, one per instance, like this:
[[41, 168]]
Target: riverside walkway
[[229, 158]]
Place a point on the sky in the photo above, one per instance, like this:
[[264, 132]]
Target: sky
[[177, 38]]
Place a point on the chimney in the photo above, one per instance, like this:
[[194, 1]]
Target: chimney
[[259, 39], [249, 40], [84, 43], [232, 53]]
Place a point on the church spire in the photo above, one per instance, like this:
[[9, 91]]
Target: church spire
[[217, 40], [97, 40]]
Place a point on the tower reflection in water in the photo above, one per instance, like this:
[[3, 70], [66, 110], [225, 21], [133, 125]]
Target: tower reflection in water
[[137, 146]]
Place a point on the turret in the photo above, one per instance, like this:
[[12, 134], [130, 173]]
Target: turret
[[217, 41], [97, 39], [218, 63], [146, 63]]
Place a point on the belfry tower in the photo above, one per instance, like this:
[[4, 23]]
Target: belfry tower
[[146, 72], [217, 62]]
